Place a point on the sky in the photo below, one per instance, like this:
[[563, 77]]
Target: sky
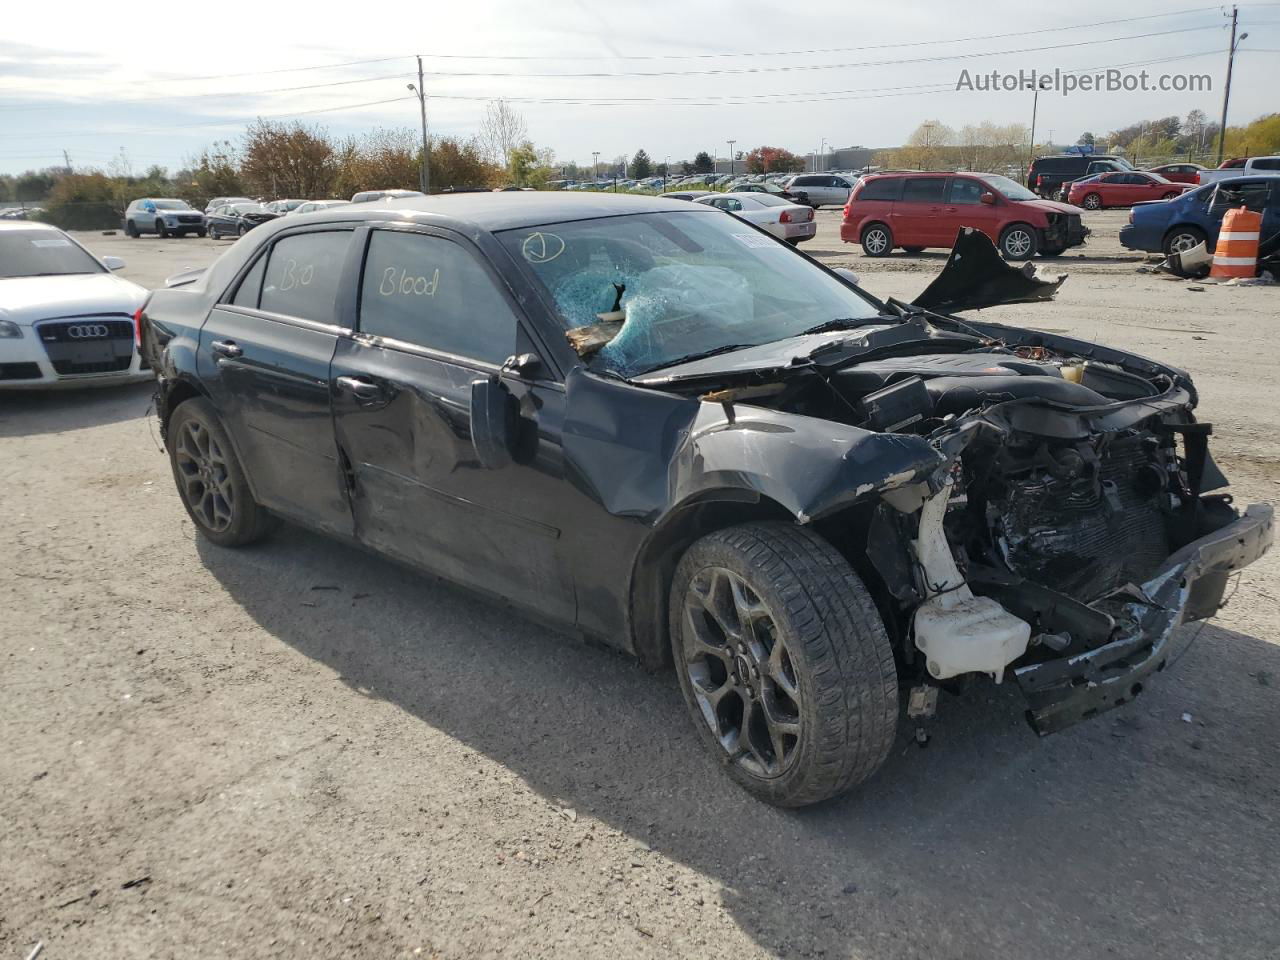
[[671, 77]]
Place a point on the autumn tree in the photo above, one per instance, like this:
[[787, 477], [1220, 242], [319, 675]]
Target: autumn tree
[[288, 160], [460, 163], [380, 160], [773, 160]]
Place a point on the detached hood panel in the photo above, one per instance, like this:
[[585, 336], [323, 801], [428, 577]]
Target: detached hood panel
[[976, 276]]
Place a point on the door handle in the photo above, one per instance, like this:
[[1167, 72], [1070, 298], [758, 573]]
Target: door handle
[[359, 388], [227, 348]]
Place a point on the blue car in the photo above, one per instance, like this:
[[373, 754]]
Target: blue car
[[1170, 226]]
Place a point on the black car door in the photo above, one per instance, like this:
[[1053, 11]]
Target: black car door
[[433, 316], [264, 356]]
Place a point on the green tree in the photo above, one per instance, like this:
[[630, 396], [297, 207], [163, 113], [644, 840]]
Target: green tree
[[702, 162], [641, 165], [33, 185], [84, 202], [1086, 138]]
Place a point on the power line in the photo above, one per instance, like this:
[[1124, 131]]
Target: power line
[[816, 50], [790, 68]]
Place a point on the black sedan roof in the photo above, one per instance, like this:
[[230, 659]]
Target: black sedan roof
[[507, 211]]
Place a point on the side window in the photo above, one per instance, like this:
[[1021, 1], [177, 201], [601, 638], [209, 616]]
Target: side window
[[1251, 195], [924, 189], [1267, 163], [731, 203], [251, 285], [964, 190], [302, 274], [434, 293], [889, 188]]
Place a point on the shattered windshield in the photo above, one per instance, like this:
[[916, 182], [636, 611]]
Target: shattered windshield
[[649, 290]]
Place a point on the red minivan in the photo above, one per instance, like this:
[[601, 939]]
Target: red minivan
[[919, 210]]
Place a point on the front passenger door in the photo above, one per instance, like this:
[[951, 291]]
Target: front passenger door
[[433, 317]]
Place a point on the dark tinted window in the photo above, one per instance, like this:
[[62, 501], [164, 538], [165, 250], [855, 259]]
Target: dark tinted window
[[806, 182], [923, 189], [964, 190], [1267, 163], [1056, 165], [889, 188], [247, 292], [434, 293], [302, 275]]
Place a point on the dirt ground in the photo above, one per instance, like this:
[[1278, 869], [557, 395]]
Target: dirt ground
[[301, 750]]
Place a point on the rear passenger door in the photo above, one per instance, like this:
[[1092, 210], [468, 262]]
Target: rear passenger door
[[917, 218], [264, 355], [433, 316]]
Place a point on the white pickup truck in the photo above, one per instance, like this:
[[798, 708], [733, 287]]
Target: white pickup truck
[[1247, 167]]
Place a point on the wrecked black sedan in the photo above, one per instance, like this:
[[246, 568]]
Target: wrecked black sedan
[[658, 426]]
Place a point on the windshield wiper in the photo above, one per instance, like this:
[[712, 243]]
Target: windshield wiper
[[845, 323], [702, 355]]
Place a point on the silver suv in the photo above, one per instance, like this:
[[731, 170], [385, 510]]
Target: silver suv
[[166, 218], [818, 189]]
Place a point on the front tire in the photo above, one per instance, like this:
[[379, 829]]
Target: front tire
[[211, 483], [161, 231], [877, 240], [1182, 238], [783, 661], [913, 249], [131, 230], [1018, 242]]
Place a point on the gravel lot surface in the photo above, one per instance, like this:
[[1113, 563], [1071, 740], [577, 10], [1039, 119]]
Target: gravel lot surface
[[302, 750]]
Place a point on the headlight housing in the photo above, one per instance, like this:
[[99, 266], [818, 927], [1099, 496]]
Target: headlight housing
[[10, 330]]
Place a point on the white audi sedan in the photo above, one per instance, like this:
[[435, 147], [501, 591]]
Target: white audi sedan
[[65, 319], [785, 219]]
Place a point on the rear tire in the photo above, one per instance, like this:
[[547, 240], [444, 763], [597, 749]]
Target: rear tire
[[210, 480], [201, 232], [1018, 242], [241, 230], [913, 249], [1171, 196], [1091, 202], [877, 240], [784, 662]]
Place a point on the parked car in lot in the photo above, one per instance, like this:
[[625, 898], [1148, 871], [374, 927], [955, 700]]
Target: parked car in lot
[[163, 217], [1196, 217], [915, 211], [368, 196], [1122, 189], [686, 194], [1240, 167], [1049, 176], [783, 218], [65, 319], [1178, 172], [237, 219], [820, 189], [222, 201], [311, 206], [283, 207], [712, 452]]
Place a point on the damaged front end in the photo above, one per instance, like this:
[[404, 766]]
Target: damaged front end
[[1072, 519]]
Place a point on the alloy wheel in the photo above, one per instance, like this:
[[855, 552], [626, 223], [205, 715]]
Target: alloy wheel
[[1183, 241], [1092, 202], [876, 241], [206, 480], [741, 672], [1017, 243]]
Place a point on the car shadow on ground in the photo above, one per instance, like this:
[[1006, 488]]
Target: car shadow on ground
[[28, 412], [1141, 833]]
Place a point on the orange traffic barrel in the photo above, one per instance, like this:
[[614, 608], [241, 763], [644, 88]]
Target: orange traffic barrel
[[1237, 251]]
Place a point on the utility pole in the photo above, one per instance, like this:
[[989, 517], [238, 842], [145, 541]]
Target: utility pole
[[595, 164], [67, 160], [822, 153], [731, 143], [1035, 104], [424, 168], [1226, 92]]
